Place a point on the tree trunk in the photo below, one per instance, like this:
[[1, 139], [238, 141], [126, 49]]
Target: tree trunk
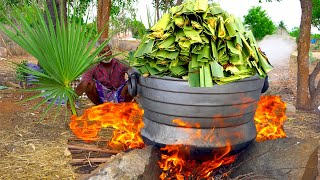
[[157, 10], [303, 98], [103, 16], [166, 5], [178, 2], [61, 6]]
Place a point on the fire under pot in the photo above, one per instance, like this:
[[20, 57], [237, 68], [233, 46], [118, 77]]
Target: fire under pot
[[204, 118]]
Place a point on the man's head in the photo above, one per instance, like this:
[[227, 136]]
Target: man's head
[[106, 52]]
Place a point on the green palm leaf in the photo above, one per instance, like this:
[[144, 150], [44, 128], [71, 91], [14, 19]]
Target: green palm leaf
[[64, 50]]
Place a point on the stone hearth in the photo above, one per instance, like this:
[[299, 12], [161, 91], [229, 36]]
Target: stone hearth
[[287, 158]]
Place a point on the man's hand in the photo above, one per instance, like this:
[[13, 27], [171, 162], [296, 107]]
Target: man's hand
[[125, 93], [81, 88], [90, 89]]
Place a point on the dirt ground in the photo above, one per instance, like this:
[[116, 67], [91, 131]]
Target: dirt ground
[[35, 148]]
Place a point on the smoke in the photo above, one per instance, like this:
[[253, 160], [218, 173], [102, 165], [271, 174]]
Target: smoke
[[278, 48]]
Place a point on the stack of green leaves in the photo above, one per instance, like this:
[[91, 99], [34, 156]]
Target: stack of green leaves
[[202, 43]]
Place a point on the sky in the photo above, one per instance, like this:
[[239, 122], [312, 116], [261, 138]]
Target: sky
[[288, 11]]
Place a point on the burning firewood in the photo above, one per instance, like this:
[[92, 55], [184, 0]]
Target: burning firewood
[[93, 148], [124, 118]]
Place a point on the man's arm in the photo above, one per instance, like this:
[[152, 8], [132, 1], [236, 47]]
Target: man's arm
[[81, 88], [86, 79], [125, 94], [125, 70]]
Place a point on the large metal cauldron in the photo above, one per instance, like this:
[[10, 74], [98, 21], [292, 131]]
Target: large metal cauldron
[[217, 117]]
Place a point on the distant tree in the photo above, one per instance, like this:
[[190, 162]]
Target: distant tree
[[308, 89], [258, 21], [164, 5], [282, 25], [123, 22], [77, 9]]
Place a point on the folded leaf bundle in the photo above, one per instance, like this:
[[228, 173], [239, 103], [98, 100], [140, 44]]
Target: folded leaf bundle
[[202, 43]]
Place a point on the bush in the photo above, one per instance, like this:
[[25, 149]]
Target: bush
[[312, 59], [317, 46], [315, 36]]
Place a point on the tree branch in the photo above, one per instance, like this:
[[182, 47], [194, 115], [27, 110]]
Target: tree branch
[[313, 89], [312, 79]]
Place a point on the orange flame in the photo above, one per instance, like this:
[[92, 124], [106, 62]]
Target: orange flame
[[269, 118], [176, 162], [125, 118]]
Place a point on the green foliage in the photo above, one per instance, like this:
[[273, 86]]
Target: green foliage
[[20, 76], [315, 20], [77, 9], [125, 21], [315, 36], [2, 9], [92, 27], [137, 28], [317, 46], [119, 6], [295, 32], [258, 21], [24, 6], [64, 51]]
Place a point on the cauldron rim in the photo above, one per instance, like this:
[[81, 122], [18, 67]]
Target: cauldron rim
[[254, 77]]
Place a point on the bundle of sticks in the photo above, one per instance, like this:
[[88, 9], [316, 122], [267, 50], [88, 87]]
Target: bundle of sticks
[[88, 153]]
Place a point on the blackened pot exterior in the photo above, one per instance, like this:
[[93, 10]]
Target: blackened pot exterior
[[212, 117]]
